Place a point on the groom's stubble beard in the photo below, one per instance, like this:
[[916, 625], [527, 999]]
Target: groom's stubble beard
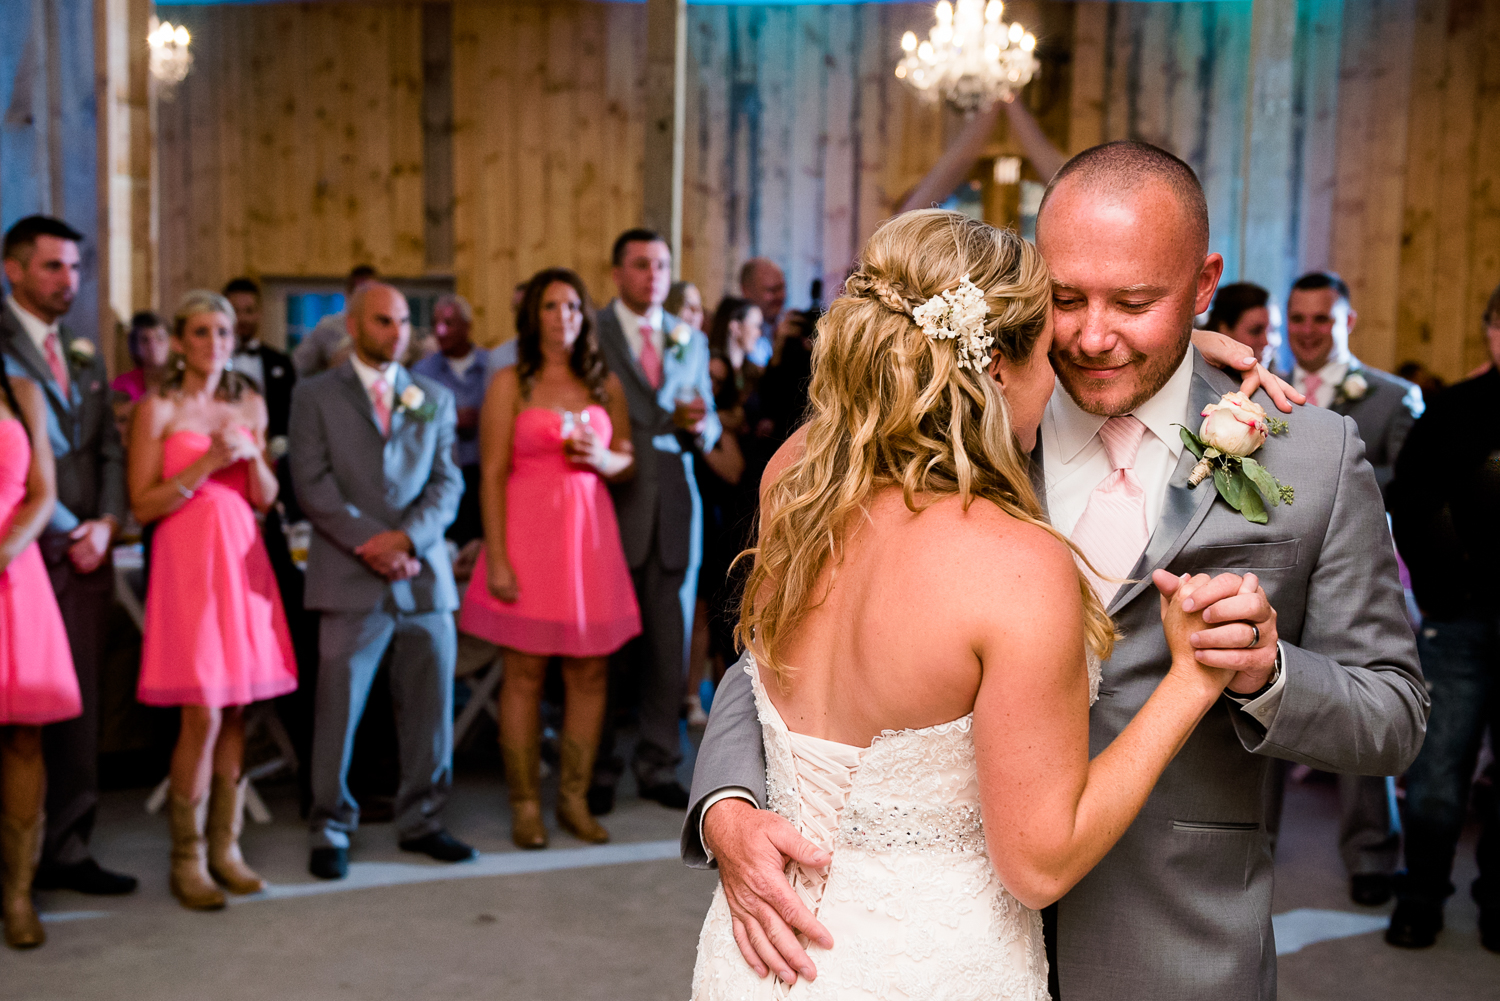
[[1153, 372]]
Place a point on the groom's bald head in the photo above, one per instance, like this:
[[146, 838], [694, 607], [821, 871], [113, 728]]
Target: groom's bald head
[[1120, 170]]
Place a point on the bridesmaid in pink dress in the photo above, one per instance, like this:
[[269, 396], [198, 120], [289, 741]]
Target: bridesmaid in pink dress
[[216, 637], [552, 579], [37, 682]]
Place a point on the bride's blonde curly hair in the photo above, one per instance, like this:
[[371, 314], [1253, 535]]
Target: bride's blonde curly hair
[[890, 407]]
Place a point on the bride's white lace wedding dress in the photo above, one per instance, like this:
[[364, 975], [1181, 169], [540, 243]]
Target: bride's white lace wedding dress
[[911, 900]]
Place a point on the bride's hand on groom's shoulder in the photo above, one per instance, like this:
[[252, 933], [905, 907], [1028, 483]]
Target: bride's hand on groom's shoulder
[[752, 848], [1181, 621], [1223, 351]]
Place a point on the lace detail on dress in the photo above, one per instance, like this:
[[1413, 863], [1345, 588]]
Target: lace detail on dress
[[1096, 677]]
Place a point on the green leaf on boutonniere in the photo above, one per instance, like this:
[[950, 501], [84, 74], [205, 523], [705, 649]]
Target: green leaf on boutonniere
[[1239, 493], [1193, 442], [1269, 487]]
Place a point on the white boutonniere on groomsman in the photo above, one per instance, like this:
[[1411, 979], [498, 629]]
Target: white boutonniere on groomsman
[[81, 352], [681, 336], [1232, 430], [415, 402], [1354, 387]]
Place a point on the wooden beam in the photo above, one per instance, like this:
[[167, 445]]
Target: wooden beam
[[1267, 250], [666, 110], [1086, 97], [437, 135]]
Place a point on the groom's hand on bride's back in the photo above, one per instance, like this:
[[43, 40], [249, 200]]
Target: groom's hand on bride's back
[[752, 847], [1240, 630]]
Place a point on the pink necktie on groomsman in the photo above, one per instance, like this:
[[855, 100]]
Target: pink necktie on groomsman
[[1112, 531], [382, 409], [650, 358], [55, 362], [1311, 383]]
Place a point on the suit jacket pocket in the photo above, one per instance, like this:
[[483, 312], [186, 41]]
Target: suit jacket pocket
[[1246, 556]]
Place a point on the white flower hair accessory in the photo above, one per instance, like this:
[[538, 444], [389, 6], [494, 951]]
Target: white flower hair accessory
[[959, 315]]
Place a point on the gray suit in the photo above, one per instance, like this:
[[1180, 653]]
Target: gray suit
[[353, 484], [660, 518], [1385, 414], [90, 484], [1180, 909]]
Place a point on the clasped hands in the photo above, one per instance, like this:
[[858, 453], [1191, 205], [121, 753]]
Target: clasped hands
[[754, 846], [390, 555]]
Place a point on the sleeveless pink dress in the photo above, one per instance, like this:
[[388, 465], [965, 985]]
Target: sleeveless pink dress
[[576, 599], [37, 681], [215, 632]]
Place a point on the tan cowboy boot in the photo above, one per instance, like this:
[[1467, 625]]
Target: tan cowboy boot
[[20, 851], [226, 817], [190, 882], [572, 793], [523, 774]]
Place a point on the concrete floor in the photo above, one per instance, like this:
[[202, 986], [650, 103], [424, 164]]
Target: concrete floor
[[596, 926]]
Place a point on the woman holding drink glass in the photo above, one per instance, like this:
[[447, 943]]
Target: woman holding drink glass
[[552, 579]]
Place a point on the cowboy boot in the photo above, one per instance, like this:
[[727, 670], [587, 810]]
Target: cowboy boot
[[20, 851], [572, 793], [226, 817], [190, 881], [523, 775]]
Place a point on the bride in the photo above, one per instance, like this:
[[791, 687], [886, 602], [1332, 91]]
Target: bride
[[924, 648]]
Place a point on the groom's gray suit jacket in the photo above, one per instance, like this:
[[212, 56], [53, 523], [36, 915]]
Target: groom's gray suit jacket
[[1180, 909]]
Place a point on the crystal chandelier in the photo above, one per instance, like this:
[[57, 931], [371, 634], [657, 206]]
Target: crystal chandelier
[[971, 58], [170, 58]]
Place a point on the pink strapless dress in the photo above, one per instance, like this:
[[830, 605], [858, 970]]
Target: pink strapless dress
[[577, 599], [215, 631], [37, 682]]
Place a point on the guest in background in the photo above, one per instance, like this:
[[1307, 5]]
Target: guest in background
[[764, 283], [271, 370], [552, 581], [462, 367], [685, 302], [1320, 319], [215, 638], [662, 364], [372, 460], [37, 683], [1443, 504], [503, 355], [327, 343], [1429, 382], [42, 266], [148, 346], [1243, 311]]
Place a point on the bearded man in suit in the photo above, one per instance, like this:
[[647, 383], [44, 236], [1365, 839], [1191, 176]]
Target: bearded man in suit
[[1305, 608], [42, 268]]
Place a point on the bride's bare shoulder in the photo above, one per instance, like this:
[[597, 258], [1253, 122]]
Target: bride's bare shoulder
[[1012, 556]]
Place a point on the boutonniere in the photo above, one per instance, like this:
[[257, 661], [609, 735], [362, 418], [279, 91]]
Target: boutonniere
[[1354, 387], [81, 351], [415, 402], [1232, 430], [681, 336]]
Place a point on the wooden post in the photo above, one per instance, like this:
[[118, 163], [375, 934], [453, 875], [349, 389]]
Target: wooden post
[[1267, 243], [437, 135], [666, 111]]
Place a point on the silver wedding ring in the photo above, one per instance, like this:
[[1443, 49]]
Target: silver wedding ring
[[1255, 642]]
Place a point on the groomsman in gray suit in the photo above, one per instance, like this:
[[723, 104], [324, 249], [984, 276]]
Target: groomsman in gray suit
[[663, 365], [42, 268], [1307, 609], [1320, 319], [372, 459]]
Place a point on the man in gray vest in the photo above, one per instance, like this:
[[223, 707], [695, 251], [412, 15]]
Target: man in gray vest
[[42, 268]]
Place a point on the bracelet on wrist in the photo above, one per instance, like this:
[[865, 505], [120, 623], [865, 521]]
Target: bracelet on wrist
[[186, 493]]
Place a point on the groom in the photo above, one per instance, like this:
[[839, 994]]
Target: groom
[[1307, 610]]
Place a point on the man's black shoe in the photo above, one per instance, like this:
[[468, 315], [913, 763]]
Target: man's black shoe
[[601, 800], [440, 845], [668, 794], [1415, 924], [329, 863], [85, 877], [1370, 889]]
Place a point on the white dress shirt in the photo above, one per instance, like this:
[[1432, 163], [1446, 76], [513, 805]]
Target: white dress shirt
[[36, 328], [630, 325], [368, 374], [247, 362], [1332, 373], [461, 365]]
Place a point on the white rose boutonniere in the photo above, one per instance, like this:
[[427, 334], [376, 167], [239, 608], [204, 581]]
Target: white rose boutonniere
[[415, 402], [81, 351], [681, 336], [1231, 431], [1354, 387]]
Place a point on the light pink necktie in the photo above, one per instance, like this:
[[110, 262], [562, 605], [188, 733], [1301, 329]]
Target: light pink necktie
[[1310, 385], [55, 362], [382, 409], [1112, 531], [650, 358]]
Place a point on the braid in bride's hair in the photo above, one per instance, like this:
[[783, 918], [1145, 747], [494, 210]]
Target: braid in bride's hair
[[891, 407]]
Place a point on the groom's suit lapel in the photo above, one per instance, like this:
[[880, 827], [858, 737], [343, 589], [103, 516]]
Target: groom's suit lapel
[[1184, 507]]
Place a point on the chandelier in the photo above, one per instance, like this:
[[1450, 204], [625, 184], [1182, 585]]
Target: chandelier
[[971, 57], [170, 58]]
